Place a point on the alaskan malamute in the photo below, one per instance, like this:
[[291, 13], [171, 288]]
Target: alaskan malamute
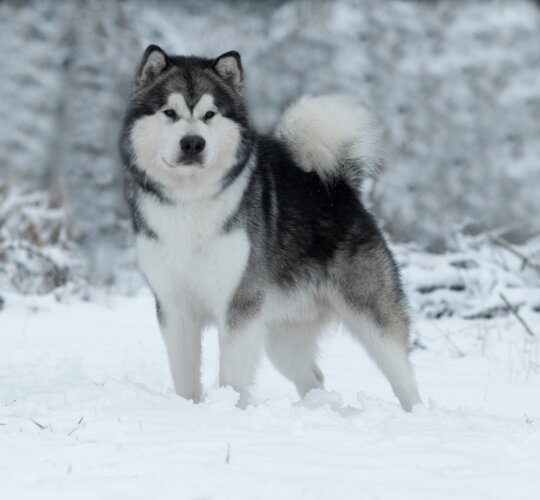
[[264, 237]]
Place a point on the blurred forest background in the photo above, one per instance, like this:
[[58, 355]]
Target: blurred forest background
[[456, 83]]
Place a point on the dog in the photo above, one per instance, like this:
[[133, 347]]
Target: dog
[[265, 237]]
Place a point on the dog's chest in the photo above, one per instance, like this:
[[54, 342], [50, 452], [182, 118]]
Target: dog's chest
[[193, 258]]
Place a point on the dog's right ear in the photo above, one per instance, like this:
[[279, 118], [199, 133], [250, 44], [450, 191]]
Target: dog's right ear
[[153, 63]]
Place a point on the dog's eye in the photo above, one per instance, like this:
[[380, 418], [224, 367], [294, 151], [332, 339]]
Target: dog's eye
[[208, 115], [171, 113]]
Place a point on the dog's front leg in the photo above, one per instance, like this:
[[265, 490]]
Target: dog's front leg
[[240, 350], [181, 330]]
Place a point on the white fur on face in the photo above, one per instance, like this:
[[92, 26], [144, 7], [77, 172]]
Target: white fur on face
[[156, 144]]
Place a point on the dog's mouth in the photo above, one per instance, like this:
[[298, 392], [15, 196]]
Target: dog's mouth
[[183, 162]]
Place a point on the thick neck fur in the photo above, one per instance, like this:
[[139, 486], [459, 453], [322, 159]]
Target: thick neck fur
[[210, 209]]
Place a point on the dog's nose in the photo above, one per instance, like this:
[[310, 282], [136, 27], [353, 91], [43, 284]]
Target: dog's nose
[[192, 145]]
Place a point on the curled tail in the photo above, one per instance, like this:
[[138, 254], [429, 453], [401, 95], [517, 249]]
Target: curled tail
[[333, 135]]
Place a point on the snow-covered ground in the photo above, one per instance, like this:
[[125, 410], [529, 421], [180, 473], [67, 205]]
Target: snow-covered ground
[[87, 408]]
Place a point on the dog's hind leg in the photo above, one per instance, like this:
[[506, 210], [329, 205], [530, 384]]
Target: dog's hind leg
[[373, 309], [292, 348], [387, 346]]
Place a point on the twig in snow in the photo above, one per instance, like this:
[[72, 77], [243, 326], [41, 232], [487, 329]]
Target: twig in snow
[[38, 424], [76, 427], [517, 315], [507, 246], [417, 344], [228, 456]]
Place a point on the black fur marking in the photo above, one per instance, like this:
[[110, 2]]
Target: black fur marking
[[303, 230], [159, 312], [235, 220], [245, 150], [147, 185], [232, 175], [244, 305], [306, 230], [137, 184], [138, 222], [309, 220]]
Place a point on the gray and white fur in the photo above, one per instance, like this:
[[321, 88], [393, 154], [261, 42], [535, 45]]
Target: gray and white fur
[[264, 237]]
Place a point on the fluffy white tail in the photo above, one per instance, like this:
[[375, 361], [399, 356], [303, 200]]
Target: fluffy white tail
[[333, 135]]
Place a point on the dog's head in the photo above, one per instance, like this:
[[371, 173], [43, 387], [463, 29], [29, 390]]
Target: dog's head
[[187, 125]]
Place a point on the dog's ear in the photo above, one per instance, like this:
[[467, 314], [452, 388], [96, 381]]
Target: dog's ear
[[229, 67], [153, 63]]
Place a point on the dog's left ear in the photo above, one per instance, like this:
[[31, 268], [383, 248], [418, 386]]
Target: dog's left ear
[[229, 67]]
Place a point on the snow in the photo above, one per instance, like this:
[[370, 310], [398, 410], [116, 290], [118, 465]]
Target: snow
[[87, 408]]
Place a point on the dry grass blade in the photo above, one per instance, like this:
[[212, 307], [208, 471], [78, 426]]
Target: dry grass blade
[[76, 427], [38, 424], [517, 315], [507, 246]]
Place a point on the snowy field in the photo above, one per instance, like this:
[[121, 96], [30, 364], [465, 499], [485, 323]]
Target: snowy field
[[87, 408]]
